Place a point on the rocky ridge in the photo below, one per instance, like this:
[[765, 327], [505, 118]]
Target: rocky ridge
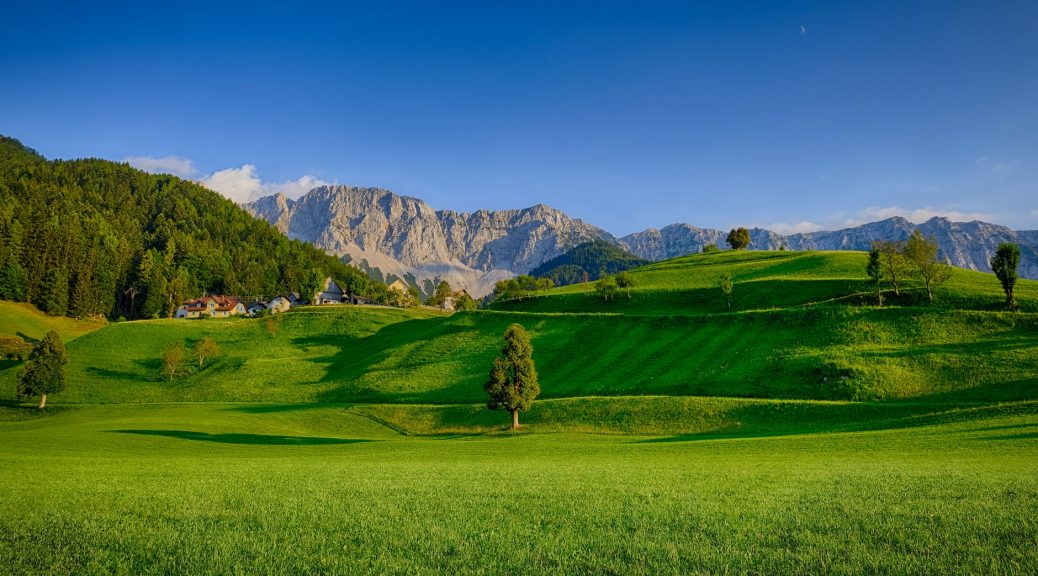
[[392, 235]]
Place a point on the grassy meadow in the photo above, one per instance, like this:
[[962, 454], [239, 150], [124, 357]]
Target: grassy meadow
[[807, 431]]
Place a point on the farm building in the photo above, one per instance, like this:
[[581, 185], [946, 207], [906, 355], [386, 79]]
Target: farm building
[[212, 306], [329, 294]]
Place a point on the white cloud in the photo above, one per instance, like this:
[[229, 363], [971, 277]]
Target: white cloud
[[244, 184], [787, 228], [174, 165], [917, 215]]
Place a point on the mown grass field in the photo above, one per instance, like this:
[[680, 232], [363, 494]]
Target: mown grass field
[[218, 488], [805, 432]]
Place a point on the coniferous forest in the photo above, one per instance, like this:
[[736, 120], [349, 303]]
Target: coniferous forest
[[98, 238]]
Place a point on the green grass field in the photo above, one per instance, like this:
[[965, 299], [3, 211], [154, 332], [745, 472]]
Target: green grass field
[[240, 488], [25, 321], [805, 432]]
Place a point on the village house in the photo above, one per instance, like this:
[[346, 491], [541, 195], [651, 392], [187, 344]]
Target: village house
[[282, 303], [330, 294], [256, 307], [212, 307], [448, 302]]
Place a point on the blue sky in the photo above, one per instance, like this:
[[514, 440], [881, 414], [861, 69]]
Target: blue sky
[[628, 115]]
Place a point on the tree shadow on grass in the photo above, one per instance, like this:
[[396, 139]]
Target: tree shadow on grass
[[253, 439]]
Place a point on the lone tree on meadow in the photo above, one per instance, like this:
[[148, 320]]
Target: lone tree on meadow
[[727, 286], [606, 287], [875, 272], [921, 254], [1004, 264], [172, 357], [513, 383], [44, 372], [625, 282], [738, 238], [895, 266], [205, 349]]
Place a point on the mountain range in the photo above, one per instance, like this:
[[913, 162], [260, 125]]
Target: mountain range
[[390, 235]]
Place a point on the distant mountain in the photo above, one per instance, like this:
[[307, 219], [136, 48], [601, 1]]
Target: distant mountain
[[397, 236], [586, 261], [391, 235], [963, 244]]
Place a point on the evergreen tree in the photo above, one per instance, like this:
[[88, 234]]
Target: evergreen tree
[[44, 371], [1004, 264], [512, 384], [13, 283], [54, 295]]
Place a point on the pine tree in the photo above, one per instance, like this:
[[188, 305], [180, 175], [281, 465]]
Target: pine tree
[[54, 294], [512, 384]]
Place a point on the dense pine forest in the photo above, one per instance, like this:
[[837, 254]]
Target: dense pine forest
[[586, 262], [97, 238]]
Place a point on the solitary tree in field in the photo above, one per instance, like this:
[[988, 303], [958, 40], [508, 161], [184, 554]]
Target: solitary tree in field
[[738, 238], [606, 287], [172, 358], [1004, 263], [710, 248], [921, 254], [206, 348], [44, 372], [895, 266], [624, 281], [513, 383], [875, 272], [727, 285]]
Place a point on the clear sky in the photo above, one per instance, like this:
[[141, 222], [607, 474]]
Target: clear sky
[[793, 115]]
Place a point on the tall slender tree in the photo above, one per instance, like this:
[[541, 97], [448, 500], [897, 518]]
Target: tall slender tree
[[1004, 263], [895, 266]]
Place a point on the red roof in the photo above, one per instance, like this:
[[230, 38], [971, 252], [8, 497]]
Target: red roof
[[223, 303]]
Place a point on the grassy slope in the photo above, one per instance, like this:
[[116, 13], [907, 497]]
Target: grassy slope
[[380, 355], [765, 280], [25, 321], [203, 489], [937, 476]]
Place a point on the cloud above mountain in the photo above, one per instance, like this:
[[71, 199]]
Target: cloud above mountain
[[241, 184]]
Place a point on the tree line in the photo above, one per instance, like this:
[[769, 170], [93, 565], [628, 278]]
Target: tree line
[[97, 238]]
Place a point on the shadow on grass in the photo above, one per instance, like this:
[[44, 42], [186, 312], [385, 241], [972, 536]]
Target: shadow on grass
[[277, 408], [253, 439], [1024, 436]]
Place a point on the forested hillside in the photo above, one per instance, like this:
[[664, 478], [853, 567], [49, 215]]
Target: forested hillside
[[585, 263], [93, 237]]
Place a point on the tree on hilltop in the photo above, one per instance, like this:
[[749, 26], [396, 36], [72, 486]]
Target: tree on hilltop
[[921, 254], [44, 372], [738, 238], [512, 384], [1004, 264], [895, 266]]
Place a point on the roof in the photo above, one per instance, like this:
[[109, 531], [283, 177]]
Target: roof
[[223, 303]]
